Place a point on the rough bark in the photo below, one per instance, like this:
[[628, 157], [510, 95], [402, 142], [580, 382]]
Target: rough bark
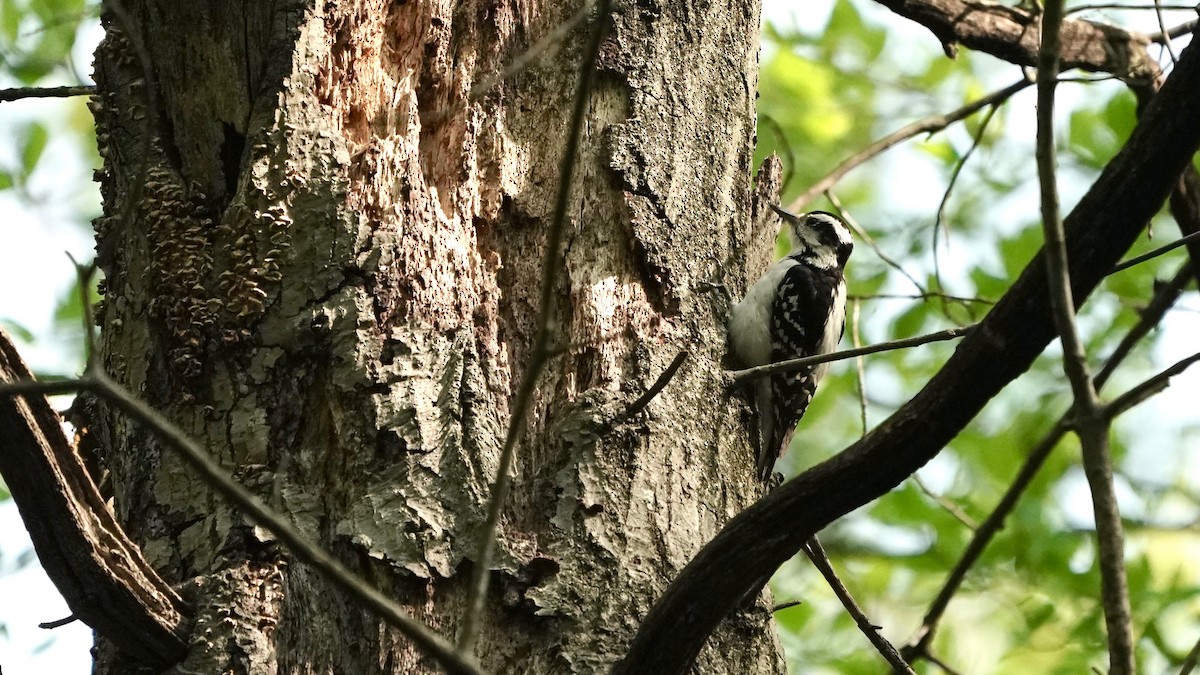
[[330, 279]]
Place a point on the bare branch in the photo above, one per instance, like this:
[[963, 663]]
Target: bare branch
[[1115, 6], [1092, 427], [1148, 388], [739, 376], [1151, 315], [101, 573], [541, 341], [866, 238], [1036, 458], [18, 93], [947, 505], [1150, 255], [859, 367], [1013, 34], [655, 389], [958, 167], [1192, 659], [816, 553], [1171, 33], [934, 295], [928, 125], [1162, 27]]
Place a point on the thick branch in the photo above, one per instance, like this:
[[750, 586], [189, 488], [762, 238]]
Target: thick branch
[[1100, 229], [100, 572], [1012, 34]]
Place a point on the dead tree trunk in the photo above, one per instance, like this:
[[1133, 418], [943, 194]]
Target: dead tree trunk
[[322, 245]]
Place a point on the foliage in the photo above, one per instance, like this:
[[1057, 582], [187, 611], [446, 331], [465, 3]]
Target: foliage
[[1031, 603]]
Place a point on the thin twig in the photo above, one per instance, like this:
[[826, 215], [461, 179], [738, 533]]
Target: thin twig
[[958, 167], [1162, 26], [859, 367], [928, 295], [1092, 427], [1115, 6], [1148, 388], [1192, 659], [739, 376], [933, 658], [786, 605], [789, 153], [821, 561], [539, 354], [866, 239], [931, 125], [1150, 255], [1163, 299], [655, 389], [949, 506], [18, 93], [84, 274]]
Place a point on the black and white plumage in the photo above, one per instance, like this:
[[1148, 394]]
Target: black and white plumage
[[796, 309]]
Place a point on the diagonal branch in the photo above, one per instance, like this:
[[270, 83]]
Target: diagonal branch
[[739, 376], [1099, 230], [101, 573], [1012, 34], [921, 126], [816, 553]]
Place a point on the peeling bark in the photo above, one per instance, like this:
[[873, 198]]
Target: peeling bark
[[331, 280]]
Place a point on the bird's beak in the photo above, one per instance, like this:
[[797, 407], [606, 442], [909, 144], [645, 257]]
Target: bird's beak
[[783, 213]]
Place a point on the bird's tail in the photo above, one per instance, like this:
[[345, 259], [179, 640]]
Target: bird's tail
[[770, 432]]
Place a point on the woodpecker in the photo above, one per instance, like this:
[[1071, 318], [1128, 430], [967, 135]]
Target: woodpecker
[[796, 309]]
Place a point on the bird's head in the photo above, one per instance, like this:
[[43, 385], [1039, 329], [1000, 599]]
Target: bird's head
[[820, 238]]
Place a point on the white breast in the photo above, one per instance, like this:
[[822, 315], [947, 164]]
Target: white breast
[[750, 320]]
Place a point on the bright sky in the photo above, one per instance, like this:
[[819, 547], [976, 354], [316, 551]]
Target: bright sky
[[36, 273]]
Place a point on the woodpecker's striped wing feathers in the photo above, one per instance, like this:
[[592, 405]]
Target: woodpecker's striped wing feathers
[[806, 299]]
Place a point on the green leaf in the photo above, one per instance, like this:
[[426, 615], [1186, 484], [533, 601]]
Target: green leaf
[[32, 145], [10, 20]]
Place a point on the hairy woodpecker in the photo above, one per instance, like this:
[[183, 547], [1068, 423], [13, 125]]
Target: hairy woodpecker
[[796, 309]]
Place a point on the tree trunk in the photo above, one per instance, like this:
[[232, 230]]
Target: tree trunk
[[323, 256]]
